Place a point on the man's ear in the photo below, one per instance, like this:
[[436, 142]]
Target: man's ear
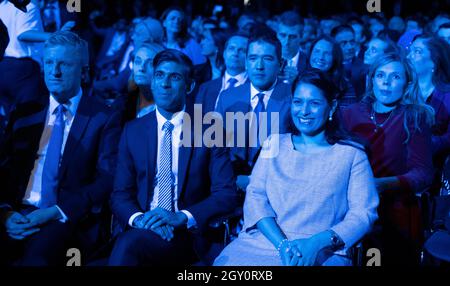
[[190, 87]]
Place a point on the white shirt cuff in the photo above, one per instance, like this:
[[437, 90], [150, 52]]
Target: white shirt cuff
[[64, 217], [191, 220], [130, 221]]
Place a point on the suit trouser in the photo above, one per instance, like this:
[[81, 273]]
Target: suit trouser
[[46, 247], [144, 247]]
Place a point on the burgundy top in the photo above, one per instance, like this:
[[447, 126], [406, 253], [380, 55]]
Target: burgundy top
[[389, 155]]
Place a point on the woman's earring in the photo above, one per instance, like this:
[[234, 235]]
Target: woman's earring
[[330, 117]]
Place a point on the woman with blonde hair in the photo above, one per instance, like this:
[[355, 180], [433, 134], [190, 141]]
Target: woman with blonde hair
[[395, 122]]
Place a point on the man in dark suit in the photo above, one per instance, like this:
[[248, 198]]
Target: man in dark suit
[[263, 95], [234, 75], [289, 32], [166, 192], [57, 162]]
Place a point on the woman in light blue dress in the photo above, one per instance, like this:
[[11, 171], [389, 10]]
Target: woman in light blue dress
[[311, 194]]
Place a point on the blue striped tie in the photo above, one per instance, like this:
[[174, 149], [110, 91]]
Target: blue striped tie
[[165, 176], [260, 107], [52, 159]]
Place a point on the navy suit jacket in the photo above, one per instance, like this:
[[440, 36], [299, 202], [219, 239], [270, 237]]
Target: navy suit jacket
[[206, 184], [88, 161], [238, 100], [208, 93]]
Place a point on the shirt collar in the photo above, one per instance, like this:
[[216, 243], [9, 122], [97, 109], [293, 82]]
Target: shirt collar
[[241, 78], [177, 119], [71, 105], [267, 93], [295, 59]]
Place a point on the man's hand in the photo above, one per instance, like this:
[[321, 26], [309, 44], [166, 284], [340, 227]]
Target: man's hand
[[289, 74], [18, 226], [68, 26], [43, 216], [165, 232], [159, 217]]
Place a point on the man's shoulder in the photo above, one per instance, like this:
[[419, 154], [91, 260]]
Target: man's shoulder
[[238, 93]]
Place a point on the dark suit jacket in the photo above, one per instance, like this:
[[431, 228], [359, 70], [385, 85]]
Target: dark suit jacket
[[238, 100], [208, 93], [88, 162], [206, 184]]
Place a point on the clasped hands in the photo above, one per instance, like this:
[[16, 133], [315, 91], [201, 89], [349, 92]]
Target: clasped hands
[[161, 221], [300, 252], [19, 226]]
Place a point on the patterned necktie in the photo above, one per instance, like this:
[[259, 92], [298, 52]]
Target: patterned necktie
[[258, 109], [232, 82], [52, 159], [165, 177]]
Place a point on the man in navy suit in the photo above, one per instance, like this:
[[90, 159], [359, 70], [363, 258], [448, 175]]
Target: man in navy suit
[[235, 73], [289, 32], [57, 162], [263, 94], [165, 193]]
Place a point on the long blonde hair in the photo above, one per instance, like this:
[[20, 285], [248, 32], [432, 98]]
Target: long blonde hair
[[417, 111]]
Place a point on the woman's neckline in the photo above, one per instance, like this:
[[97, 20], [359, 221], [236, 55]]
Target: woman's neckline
[[322, 150]]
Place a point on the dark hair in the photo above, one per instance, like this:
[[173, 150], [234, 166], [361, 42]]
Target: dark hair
[[220, 37], [171, 55], [334, 132], [237, 34], [446, 25], [183, 36], [336, 72], [440, 55], [420, 21], [269, 38], [391, 46], [290, 19], [341, 28]]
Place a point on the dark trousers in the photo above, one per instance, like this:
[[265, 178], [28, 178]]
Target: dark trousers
[[144, 247], [46, 247]]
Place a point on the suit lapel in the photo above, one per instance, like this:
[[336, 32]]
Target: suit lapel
[[83, 115], [151, 147], [185, 152]]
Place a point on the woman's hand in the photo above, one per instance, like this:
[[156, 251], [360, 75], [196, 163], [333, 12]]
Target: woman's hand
[[309, 248], [289, 255]]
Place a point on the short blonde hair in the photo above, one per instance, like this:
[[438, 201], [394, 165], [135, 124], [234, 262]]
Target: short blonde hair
[[67, 38]]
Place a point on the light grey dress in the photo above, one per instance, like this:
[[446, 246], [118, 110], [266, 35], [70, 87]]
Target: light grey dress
[[306, 194]]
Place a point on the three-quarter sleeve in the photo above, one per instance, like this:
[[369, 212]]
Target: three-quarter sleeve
[[257, 204], [362, 200]]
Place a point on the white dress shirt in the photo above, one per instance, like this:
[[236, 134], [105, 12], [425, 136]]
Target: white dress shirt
[[177, 121], [254, 98], [241, 79], [18, 22], [294, 61], [33, 191]]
